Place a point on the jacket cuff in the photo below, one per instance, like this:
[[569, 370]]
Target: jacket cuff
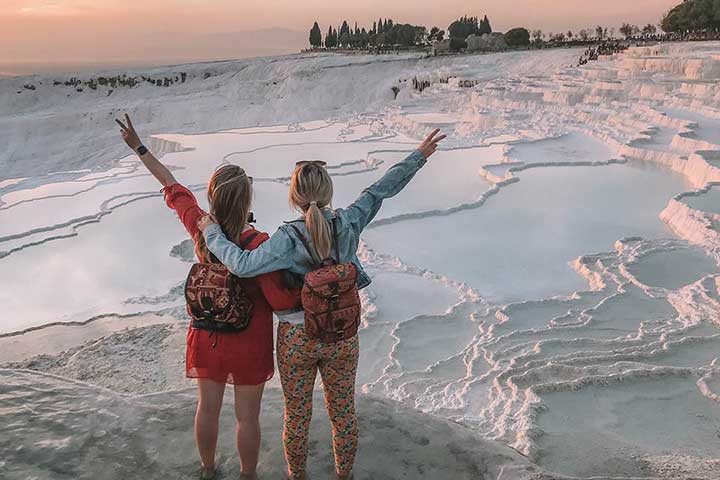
[[418, 157]]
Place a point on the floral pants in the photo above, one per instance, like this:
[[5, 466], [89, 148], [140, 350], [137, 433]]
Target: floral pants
[[299, 359]]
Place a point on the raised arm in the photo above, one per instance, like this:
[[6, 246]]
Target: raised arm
[[273, 255], [361, 212], [158, 170]]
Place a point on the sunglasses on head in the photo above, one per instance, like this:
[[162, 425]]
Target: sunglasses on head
[[319, 163]]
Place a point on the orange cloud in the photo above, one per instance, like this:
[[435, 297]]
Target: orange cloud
[[50, 8]]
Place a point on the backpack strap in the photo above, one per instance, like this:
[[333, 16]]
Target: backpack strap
[[335, 237], [248, 240], [311, 250], [305, 242]]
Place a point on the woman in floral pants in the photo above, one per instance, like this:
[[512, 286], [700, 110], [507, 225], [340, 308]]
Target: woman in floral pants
[[299, 359]]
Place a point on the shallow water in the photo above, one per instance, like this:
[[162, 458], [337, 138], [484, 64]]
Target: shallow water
[[673, 269], [707, 129], [573, 147], [707, 202], [519, 244], [95, 272]]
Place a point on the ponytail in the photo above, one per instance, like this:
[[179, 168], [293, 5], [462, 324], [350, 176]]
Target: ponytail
[[311, 191], [319, 231]]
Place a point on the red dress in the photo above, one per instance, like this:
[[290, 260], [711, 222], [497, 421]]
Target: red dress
[[244, 358]]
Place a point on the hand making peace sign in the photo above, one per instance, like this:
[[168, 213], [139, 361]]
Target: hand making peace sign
[[428, 147], [129, 134]]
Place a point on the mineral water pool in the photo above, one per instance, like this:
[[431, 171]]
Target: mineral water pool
[[519, 244]]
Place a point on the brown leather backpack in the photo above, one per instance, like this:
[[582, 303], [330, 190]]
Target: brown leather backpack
[[216, 301], [330, 297]]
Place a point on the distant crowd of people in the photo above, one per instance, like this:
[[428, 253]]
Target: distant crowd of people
[[690, 36], [608, 47], [699, 36], [420, 85]]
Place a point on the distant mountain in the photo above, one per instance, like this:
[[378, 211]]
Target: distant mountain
[[222, 45], [270, 41], [162, 48]]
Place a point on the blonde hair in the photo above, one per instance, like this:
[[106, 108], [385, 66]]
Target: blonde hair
[[229, 194], [311, 190]]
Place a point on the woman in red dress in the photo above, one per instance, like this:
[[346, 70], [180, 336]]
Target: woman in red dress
[[243, 359]]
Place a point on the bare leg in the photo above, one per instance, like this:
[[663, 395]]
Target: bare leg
[[207, 418], [247, 412]]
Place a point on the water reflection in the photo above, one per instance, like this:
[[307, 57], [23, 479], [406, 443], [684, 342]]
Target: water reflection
[[519, 244]]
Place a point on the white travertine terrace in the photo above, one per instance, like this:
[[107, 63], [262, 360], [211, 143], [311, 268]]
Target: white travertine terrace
[[543, 159], [623, 102]]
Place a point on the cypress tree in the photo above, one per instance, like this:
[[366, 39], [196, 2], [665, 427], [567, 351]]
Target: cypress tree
[[485, 26], [329, 38], [315, 36], [344, 39]]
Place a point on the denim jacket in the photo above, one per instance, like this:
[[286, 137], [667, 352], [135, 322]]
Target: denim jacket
[[285, 251]]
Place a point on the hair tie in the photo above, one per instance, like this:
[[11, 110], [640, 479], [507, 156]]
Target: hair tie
[[313, 203]]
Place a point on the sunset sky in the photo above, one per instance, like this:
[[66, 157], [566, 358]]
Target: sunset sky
[[117, 30]]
